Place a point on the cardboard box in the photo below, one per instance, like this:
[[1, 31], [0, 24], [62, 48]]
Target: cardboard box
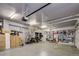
[[12, 41], [15, 41], [2, 41]]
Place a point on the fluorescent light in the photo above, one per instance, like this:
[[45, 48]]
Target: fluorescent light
[[0, 23], [43, 26], [33, 22], [11, 14], [14, 16]]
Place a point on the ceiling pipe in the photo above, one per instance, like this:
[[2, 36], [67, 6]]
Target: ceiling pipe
[[38, 9]]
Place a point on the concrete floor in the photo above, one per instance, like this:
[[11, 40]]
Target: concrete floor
[[42, 49]]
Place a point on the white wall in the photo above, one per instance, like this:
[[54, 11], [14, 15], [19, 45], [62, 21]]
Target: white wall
[[56, 29], [7, 36], [77, 36]]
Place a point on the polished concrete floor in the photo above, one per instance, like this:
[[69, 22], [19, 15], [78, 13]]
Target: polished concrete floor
[[42, 49]]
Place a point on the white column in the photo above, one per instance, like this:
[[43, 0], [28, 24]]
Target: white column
[[7, 37]]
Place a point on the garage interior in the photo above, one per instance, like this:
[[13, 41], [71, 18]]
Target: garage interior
[[39, 29]]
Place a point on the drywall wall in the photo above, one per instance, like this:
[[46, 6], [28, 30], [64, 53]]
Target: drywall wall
[[77, 36], [56, 29]]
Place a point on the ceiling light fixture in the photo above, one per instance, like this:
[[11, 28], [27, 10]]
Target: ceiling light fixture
[[43, 26], [11, 14], [33, 22]]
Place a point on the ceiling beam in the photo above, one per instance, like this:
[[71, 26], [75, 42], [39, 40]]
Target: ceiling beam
[[69, 18], [65, 21], [57, 23]]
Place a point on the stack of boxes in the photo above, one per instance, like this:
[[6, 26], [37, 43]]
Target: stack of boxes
[[12, 41], [15, 41]]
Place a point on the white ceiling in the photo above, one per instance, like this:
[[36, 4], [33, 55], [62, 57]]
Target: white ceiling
[[60, 10], [7, 8], [34, 6], [57, 11], [52, 12]]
